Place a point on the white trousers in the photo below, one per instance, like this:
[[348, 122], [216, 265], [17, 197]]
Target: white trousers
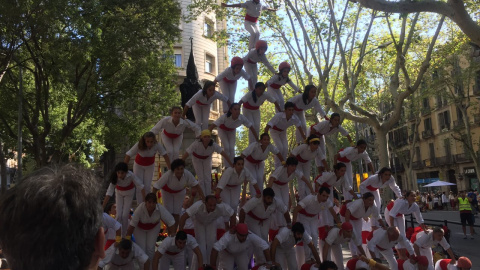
[[206, 236], [277, 94], [257, 170], [201, 113], [261, 230], [123, 199], [283, 195], [173, 201], [348, 179], [287, 258], [390, 257], [311, 227], [254, 117], [305, 168], [398, 222], [252, 28], [252, 70], [335, 254], [357, 230], [172, 146], [147, 239], [301, 116], [144, 173], [427, 252], [280, 141], [203, 170], [226, 261], [228, 142], [231, 196], [300, 252], [177, 260], [128, 266], [228, 89]]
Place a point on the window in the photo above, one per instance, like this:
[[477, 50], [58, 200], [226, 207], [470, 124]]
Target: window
[[444, 120], [426, 103], [178, 60], [427, 124], [208, 28], [209, 64]]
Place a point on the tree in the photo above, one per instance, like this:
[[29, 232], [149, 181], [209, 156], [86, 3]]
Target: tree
[[93, 73]]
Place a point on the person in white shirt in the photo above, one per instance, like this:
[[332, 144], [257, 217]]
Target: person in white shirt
[[415, 263], [230, 184], [144, 152], [172, 250], [254, 56], [112, 230], [444, 201], [121, 257], [205, 215], [173, 183], [145, 224], [171, 130], [425, 241], [236, 248], [463, 263], [356, 263], [350, 154], [228, 80], [255, 155], [278, 80], [227, 125], [335, 179], [336, 237], [257, 213], [380, 180], [123, 183], [305, 153], [282, 248], [201, 151], [384, 240], [278, 129], [200, 103], [251, 102], [303, 102]]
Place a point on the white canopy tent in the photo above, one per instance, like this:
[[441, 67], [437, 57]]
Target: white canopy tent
[[440, 183]]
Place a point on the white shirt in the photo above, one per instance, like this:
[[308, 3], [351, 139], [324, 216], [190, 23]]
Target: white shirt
[[381, 242], [449, 266], [281, 175], [374, 182], [329, 179], [356, 263], [306, 153], [335, 237], [312, 206], [157, 148], [258, 209], [351, 153], [231, 123], [278, 80], [200, 150], [280, 121], [160, 213], [253, 9], [125, 182], [253, 56], [174, 183], [228, 75], [166, 124], [255, 150], [357, 210], [110, 226], [301, 106], [287, 240], [325, 128], [248, 98], [232, 178], [425, 240], [112, 256], [200, 100], [232, 245], [168, 244], [401, 207], [199, 212]]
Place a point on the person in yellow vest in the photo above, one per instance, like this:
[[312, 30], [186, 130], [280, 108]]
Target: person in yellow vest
[[466, 215]]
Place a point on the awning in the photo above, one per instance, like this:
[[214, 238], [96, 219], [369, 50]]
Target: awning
[[427, 180]]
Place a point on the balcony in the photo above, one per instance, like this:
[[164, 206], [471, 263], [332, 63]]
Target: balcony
[[427, 134], [463, 158], [399, 143], [458, 123], [429, 163], [417, 165], [445, 127], [445, 160]]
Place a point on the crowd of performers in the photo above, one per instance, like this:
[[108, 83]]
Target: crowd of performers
[[213, 225]]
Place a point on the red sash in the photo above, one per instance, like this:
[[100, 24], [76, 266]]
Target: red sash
[[313, 131], [300, 159], [364, 236], [251, 61], [146, 226], [190, 231], [297, 109], [343, 159], [125, 188], [252, 215], [275, 86], [144, 161], [169, 190], [369, 187], [390, 206], [171, 253], [251, 18], [171, 135], [247, 105], [343, 210], [322, 232], [444, 263], [232, 185], [200, 103], [220, 233], [252, 160], [222, 126], [352, 264], [199, 156], [109, 243], [307, 266], [277, 129], [280, 183], [271, 234], [228, 80], [304, 212]]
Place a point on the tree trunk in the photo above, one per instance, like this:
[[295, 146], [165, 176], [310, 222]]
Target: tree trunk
[[382, 147], [3, 170]]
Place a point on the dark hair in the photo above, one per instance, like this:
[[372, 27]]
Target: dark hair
[[257, 85], [328, 265], [289, 104], [334, 115], [210, 143], [408, 193], [292, 161], [268, 192], [56, 208], [306, 92], [361, 142], [177, 163], [121, 166], [367, 195], [264, 134], [181, 235], [207, 84], [298, 227], [339, 165], [142, 145], [236, 159], [125, 244], [174, 108], [151, 197], [312, 136], [229, 113], [108, 208], [383, 170], [324, 189], [208, 267], [208, 197]]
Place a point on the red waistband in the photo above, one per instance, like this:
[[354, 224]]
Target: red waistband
[[146, 226], [297, 109], [172, 135], [251, 61], [252, 160], [199, 156], [144, 161], [275, 86], [343, 159], [300, 159], [222, 126], [190, 231], [280, 183], [277, 129], [370, 187], [108, 243], [313, 131], [125, 188], [171, 253], [444, 263], [247, 105], [228, 185], [304, 212], [251, 18], [169, 190], [343, 210], [252, 215], [228, 80], [390, 206], [200, 103]]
